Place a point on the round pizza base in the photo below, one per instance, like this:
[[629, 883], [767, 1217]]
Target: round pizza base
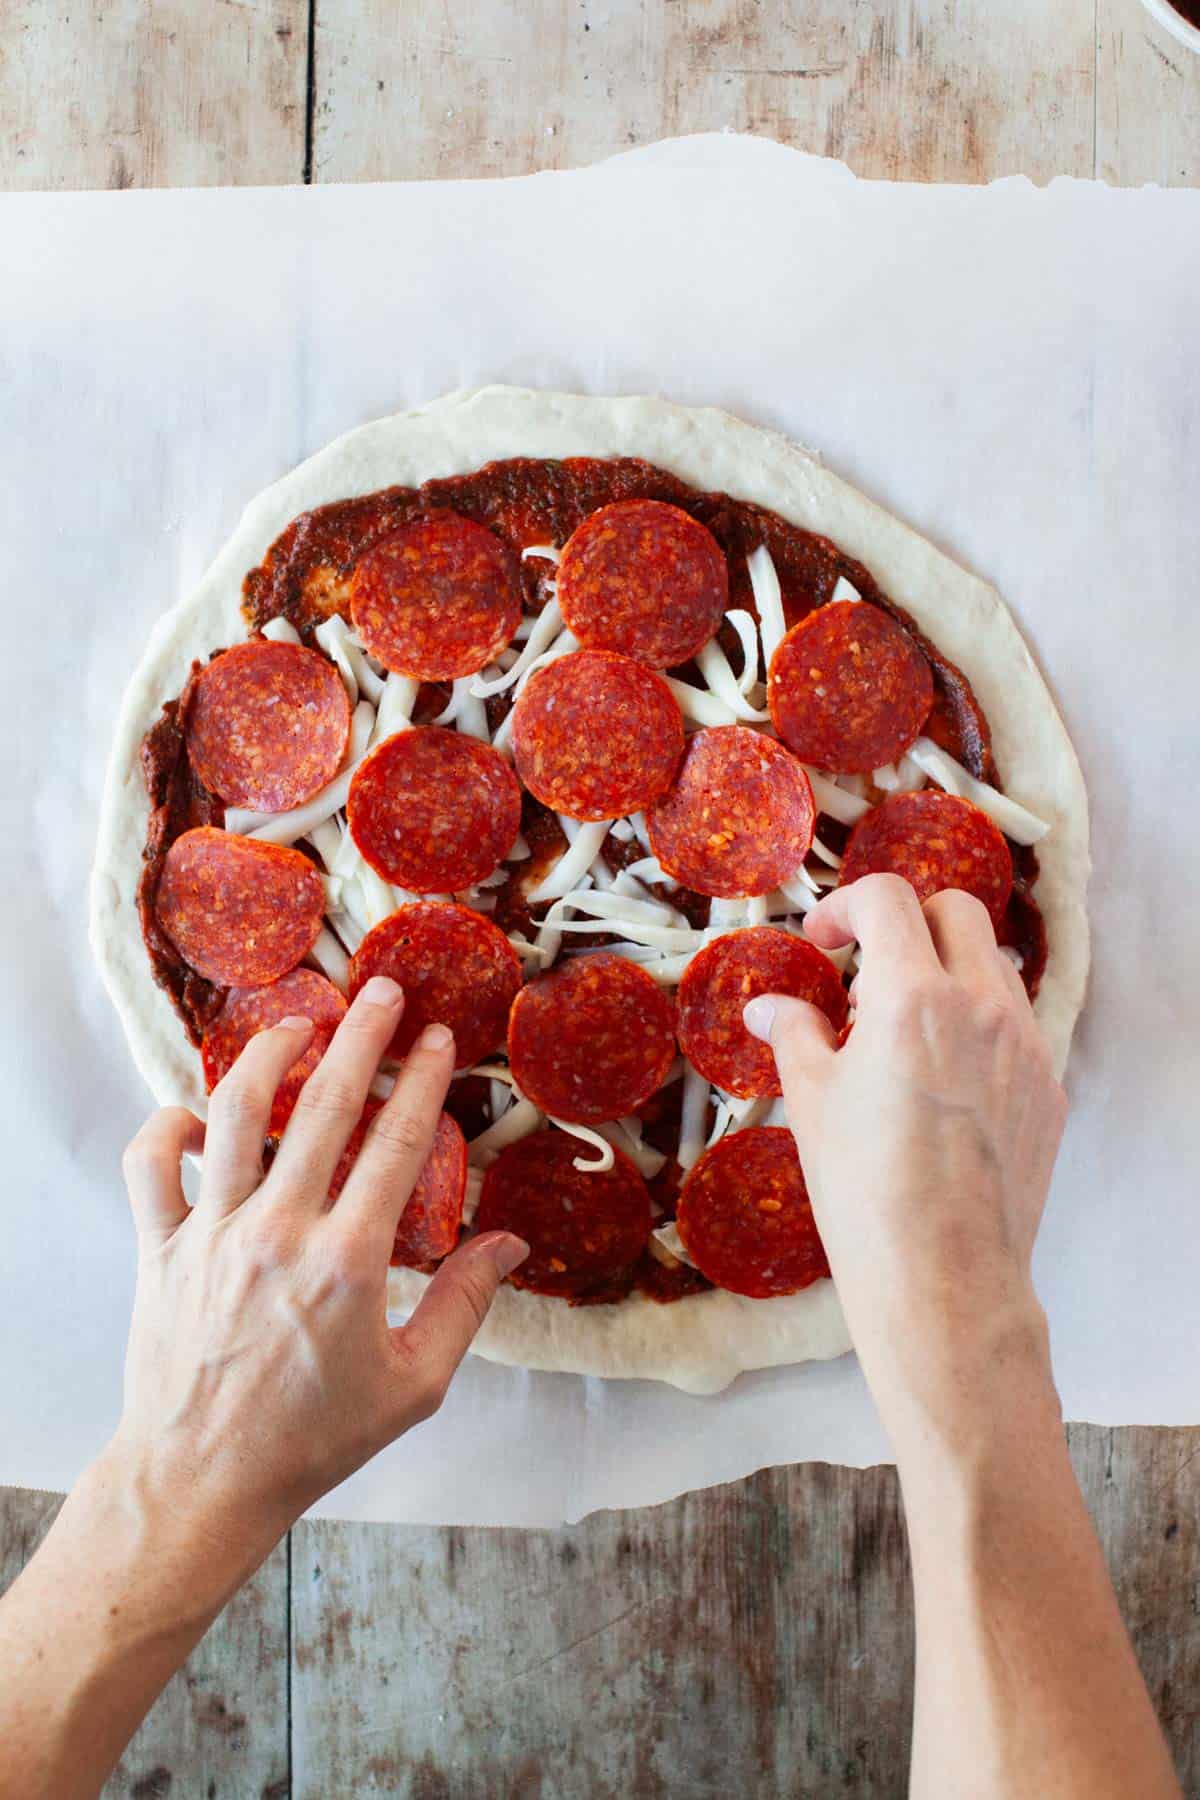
[[703, 1342]]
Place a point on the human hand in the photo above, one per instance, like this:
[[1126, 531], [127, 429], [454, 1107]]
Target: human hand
[[261, 1368], [927, 1144]]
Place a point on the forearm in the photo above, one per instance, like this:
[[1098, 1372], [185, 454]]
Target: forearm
[[126, 1583], [1026, 1680]]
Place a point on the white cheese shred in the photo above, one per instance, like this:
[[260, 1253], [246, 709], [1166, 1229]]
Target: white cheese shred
[[768, 599], [548, 551], [281, 631], [714, 666], [1014, 820], [668, 1239], [575, 862], [693, 1117], [546, 627], [586, 1165], [846, 808], [331, 959], [844, 590], [517, 1123], [701, 705], [395, 707]]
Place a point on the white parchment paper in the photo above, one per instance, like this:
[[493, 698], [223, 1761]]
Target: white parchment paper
[[1014, 371]]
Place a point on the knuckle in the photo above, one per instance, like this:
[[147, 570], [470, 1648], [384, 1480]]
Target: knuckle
[[329, 1094], [401, 1132], [240, 1098], [268, 1245]]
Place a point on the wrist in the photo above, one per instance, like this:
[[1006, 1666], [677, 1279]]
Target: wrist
[[178, 1535], [949, 1391]]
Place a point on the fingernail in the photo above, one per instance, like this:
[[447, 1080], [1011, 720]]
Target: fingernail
[[758, 1016], [506, 1251], [296, 1022], [381, 991], [436, 1037]]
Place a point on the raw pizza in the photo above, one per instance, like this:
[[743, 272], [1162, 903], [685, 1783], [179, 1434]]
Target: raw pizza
[[563, 712]]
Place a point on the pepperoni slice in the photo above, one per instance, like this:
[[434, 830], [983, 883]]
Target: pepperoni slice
[[247, 1011], [432, 1217], [268, 725], [848, 688], [456, 969], [596, 735], [585, 1228], [740, 817], [645, 579], [935, 841], [745, 1219], [436, 600], [241, 912], [718, 982], [592, 1039], [433, 810]]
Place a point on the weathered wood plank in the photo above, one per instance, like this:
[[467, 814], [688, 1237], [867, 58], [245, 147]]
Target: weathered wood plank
[[750, 1639], [98, 95], [1148, 100], [754, 1638], [220, 1728], [935, 90]]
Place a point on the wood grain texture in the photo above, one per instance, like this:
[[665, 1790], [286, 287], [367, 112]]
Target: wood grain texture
[[1148, 100], [752, 1639], [220, 1729], [931, 90], [118, 93]]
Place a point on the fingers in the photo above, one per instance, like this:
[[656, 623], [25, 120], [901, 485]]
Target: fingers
[[151, 1166], [803, 1042], [400, 1138], [333, 1097], [884, 914], [451, 1310], [239, 1113], [965, 939]]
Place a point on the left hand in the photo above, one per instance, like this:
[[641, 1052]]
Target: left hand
[[261, 1369]]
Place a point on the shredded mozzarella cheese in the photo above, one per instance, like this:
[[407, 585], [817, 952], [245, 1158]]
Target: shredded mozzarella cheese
[[516, 1123], [846, 808], [701, 705], [693, 1118], [545, 628], [603, 1158], [575, 862], [331, 959], [768, 599], [1014, 820], [844, 590], [714, 666], [281, 631]]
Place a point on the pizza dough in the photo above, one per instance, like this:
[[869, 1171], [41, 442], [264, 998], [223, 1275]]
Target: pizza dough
[[702, 1342]]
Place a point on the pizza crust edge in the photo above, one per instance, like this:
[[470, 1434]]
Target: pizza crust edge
[[703, 1342]]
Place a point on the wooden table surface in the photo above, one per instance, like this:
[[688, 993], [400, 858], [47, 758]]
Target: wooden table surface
[[749, 1640]]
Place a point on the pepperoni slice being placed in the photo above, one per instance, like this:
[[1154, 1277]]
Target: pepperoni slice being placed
[[434, 810], [745, 1219], [592, 1039], [241, 912], [268, 726], [718, 982], [247, 1011], [456, 969], [432, 1217], [848, 689], [644, 579], [436, 600], [585, 1229], [935, 841], [739, 818], [596, 736]]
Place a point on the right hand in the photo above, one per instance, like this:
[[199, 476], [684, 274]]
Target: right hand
[[927, 1143]]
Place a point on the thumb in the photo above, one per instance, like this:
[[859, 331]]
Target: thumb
[[803, 1042], [456, 1303]]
